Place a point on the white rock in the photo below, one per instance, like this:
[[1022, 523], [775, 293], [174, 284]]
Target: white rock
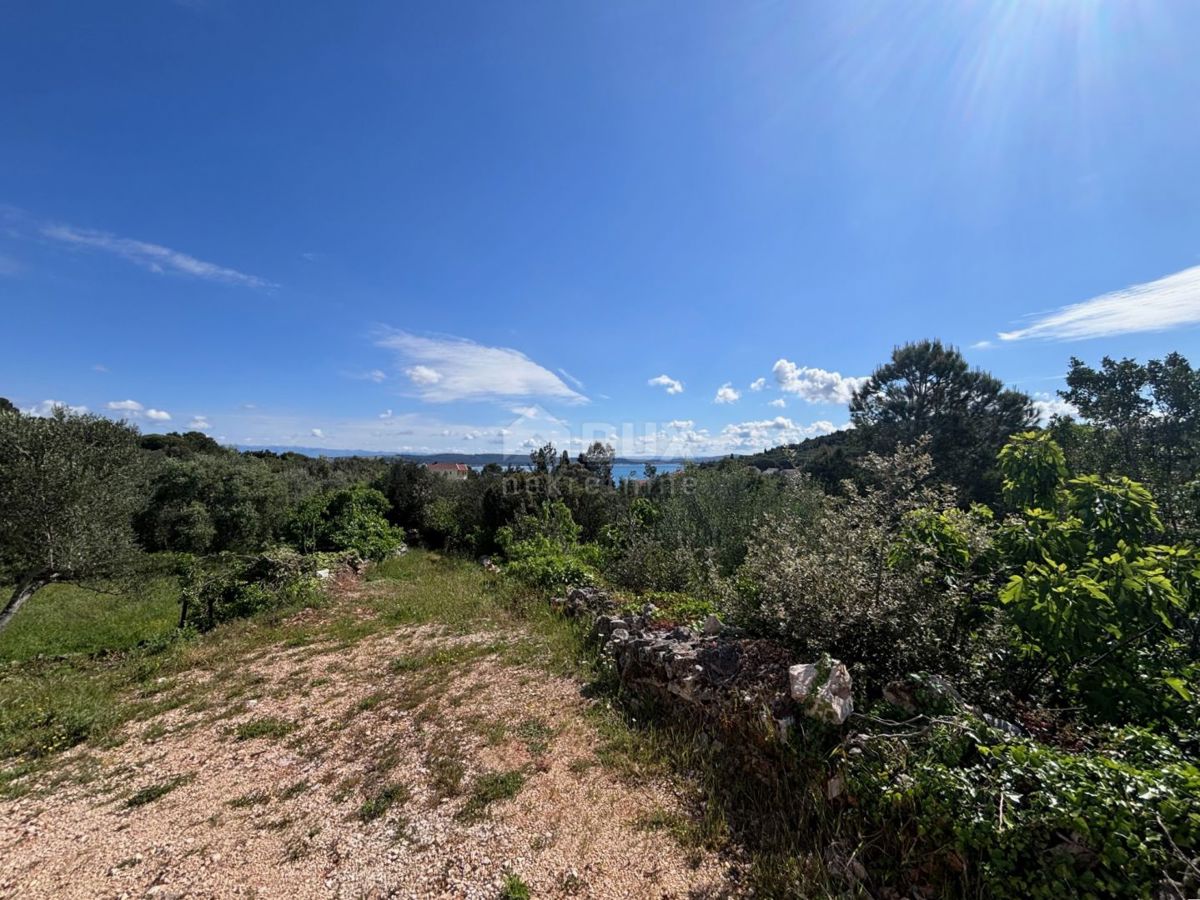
[[831, 700]]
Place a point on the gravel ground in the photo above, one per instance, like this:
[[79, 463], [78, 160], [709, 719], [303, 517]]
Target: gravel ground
[[283, 815]]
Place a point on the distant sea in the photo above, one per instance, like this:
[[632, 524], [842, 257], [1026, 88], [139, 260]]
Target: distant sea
[[624, 472], [631, 471]]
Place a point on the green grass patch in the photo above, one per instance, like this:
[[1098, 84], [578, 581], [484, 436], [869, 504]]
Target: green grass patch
[[491, 788], [64, 618], [382, 800], [266, 727], [514, 888]]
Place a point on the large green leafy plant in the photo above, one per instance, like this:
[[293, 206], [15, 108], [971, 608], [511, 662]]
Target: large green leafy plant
[[1102, 612]]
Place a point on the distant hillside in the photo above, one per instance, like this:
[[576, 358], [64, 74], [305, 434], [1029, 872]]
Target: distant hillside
[[828, 458]]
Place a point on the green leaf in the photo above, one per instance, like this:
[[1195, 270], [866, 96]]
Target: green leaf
[[1179, 687]]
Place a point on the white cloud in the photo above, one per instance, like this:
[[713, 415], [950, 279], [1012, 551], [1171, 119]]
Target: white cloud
[[666, 381], [1050, 405], [154, 257], [124, 406], [727, 394], [377, 375], [386, 414], [681, 423], [757, 435], [199, 423], [778, 402], [317, 433], [466, 370], [47, 407], [758, 384], [981, 345], [423, 375], [815, 385], [158, 415], [1170, 302]]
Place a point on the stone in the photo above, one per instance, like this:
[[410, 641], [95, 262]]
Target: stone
[[824, 692], [712, 626]]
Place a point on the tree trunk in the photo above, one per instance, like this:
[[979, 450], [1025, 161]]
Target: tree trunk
[[23, 592]]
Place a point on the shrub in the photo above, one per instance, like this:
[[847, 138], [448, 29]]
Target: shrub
[[1016, 819], [220, 588], [542, 549], [838, 585], [348, 519]]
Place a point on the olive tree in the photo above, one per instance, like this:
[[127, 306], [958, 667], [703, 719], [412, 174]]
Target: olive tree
[[69, 486]]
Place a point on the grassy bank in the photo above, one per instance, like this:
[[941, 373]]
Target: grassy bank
[[65, 619]]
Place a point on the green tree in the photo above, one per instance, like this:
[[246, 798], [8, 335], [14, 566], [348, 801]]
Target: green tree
[[927, 389], [1145, 424], [543, 459], [7, 406], [598, 460], [69, 485], [211, 503]]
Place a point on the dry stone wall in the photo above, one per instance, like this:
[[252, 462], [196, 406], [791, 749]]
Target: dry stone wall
[[713, 671]]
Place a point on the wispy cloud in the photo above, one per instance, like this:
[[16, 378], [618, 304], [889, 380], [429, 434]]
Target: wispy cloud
[[444, 369], [815, 385], [727, 393], [154, 257], [758, 384], [1170, 302], [199, 423], [672, 385], [571, 378]]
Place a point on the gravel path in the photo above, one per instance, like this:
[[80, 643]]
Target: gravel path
[[358, 771]]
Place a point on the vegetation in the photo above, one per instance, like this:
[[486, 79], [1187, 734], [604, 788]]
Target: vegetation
[[1040, 588]]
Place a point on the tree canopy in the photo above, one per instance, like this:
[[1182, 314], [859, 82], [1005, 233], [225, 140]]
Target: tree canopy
[[69, 485], [927, 388]]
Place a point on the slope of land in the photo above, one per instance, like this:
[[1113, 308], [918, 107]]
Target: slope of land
[[412, 738]]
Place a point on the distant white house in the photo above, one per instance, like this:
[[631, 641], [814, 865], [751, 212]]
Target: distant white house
[[453, 471]]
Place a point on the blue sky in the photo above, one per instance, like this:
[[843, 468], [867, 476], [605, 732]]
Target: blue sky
[[685, 226]]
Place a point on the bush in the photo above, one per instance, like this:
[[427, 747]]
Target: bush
[[542, 549], [838, 585], [348, 519], [221, 588], [1016, 819]]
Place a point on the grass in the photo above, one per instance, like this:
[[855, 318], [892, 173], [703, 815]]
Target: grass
[[254, 798], [266, 727], [514, 888], [446, 769], [156, 791], [491, 788], [382, 800], [64, 619]]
